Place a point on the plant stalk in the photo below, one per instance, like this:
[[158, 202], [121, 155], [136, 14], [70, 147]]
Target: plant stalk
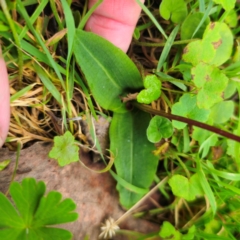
[[170, 116]]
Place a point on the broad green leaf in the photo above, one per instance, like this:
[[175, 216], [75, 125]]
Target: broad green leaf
[[222, 112], [190, 24], [226, 4], [64, 150], [34, 213], [134, 160], [152, 91], [4, 164], [168, 231], [26, 197], [187, 107], [184, 187], [215, 48], [108, 70], [176, 10], [53, 210], [158, 128], [9, 217], [211, 83]]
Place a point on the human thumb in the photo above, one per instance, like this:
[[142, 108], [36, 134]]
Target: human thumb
[[4, 100]]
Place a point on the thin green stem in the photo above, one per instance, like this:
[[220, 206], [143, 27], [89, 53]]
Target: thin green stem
[[16, 165]]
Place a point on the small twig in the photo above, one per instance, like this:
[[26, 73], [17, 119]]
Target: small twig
[[129, 97]]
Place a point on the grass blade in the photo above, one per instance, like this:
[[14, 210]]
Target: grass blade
[[167, 48]]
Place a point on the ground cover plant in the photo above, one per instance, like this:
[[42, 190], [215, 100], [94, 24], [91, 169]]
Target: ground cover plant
[[173, 104]]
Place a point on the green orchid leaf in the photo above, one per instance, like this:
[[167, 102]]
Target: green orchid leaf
[[226, 4], [176, 10], [222, 112], [134, 160], [108, 70], [64, 150], [211, 83], [191, 23], [34, 213], [152, 91], [159, 127], [187, 107], [215, 48], [186, 188]]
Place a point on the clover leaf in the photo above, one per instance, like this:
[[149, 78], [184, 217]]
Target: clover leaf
[[187, 107], [211, 83], [64, 150], [186, 188], [215, 48], [158, 128], [32, 212], [174, 9], [152, 91]]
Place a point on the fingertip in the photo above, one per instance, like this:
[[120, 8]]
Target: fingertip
[[4, 101]]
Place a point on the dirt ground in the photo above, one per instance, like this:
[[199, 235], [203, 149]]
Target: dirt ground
[[94, 193]]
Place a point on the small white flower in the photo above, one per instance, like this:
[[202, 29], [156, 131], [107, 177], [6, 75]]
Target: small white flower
[[108, 229]]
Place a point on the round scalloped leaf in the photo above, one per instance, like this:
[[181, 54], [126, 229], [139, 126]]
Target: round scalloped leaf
[[220, 37], [211, 83], [158, 128], [226, 4], [187, 107], [222, 112], [232, 19], [184, 187], [64, 150], [152, 91], [176, 10], [32, 214], [215, 48], [190, 24]]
